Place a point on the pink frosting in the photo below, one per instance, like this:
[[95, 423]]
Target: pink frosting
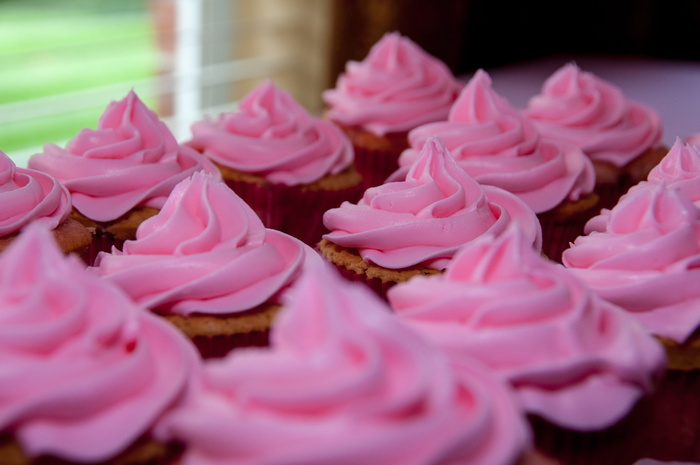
[[693, 139], [499, 147], [130, 160], [593, 114], [645, 257], [275, 137], [428, 216], [680, 169], [206, 251], [397, 87], [572, 358], [27, 196], [345, 383], [84, 371]]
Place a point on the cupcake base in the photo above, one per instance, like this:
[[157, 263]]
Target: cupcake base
[[295, 210], [352, 267], [217, 335], [565, 223], [71, 236]]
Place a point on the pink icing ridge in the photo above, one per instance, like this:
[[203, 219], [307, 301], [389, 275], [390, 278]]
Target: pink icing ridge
[[27, 196], [85, 372], [273, 136], [397, 87], [497, 146], [206, 251], [645, 257], [130, 160], [572, 358], [427, 217], [680, 169], [345, 383], [594, 114]]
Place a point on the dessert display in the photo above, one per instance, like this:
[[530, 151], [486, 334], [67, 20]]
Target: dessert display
[[29, 196], [414, 227], [343, 381], [498, 146], [287, 165], [207, 264], [622, 137], [376, 101], [120, 173], [86, 374]]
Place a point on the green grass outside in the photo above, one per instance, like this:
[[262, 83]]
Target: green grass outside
[[44, 53]]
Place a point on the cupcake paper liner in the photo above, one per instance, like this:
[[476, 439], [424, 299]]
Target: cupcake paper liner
[[293, 210], [375, 165], [102, 241], [375, 284], [219, 346], [557, 235]]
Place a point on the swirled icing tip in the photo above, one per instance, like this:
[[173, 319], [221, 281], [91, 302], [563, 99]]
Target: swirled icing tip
[[478, 101], [655, 206], [269, 101], [681, 162], [393, 50]]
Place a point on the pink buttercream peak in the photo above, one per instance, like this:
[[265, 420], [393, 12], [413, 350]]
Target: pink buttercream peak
[[131, 160], [682, 162], [571, 357], [644, 255], [593, 114], [206, 251], [397, 87], [344, 382], [428, 216], [498, 146], [273, 136], [80, 360], [29, 196]]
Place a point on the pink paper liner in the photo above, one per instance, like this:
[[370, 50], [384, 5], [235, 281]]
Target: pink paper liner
[[292, 210], [664, 426], [375, 165], [219, 346], [609, 194]]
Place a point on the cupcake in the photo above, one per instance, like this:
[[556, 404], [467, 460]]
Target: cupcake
[[621, 137], [414, 227], [497, 146], [396, 88], [86, 374], [343, 382], [644, 256], [680, 169], [122, 172], [576, 362], [288, 166], [207, 264], [28, 196]]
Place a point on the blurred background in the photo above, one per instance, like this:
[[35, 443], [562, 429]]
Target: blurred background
[[63, 61]]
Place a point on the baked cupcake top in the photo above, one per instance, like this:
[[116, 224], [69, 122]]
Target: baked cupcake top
[[85, 372], [345, 383], [397, 87], [645, 257], [273, 136], [574, 359], [131, 160], [428, 216], [205, 252], [29, 196], [594, 114], [498, 146]]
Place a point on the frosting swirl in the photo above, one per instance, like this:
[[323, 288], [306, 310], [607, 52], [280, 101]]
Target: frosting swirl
[[680, 169], [572, 358], [85, 372], [206, 251], [593, 114], [397, 87], [497, 146], [27, 196], [645, 257], [345, 383], [428, 216], [275, 137], [130, 160]]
